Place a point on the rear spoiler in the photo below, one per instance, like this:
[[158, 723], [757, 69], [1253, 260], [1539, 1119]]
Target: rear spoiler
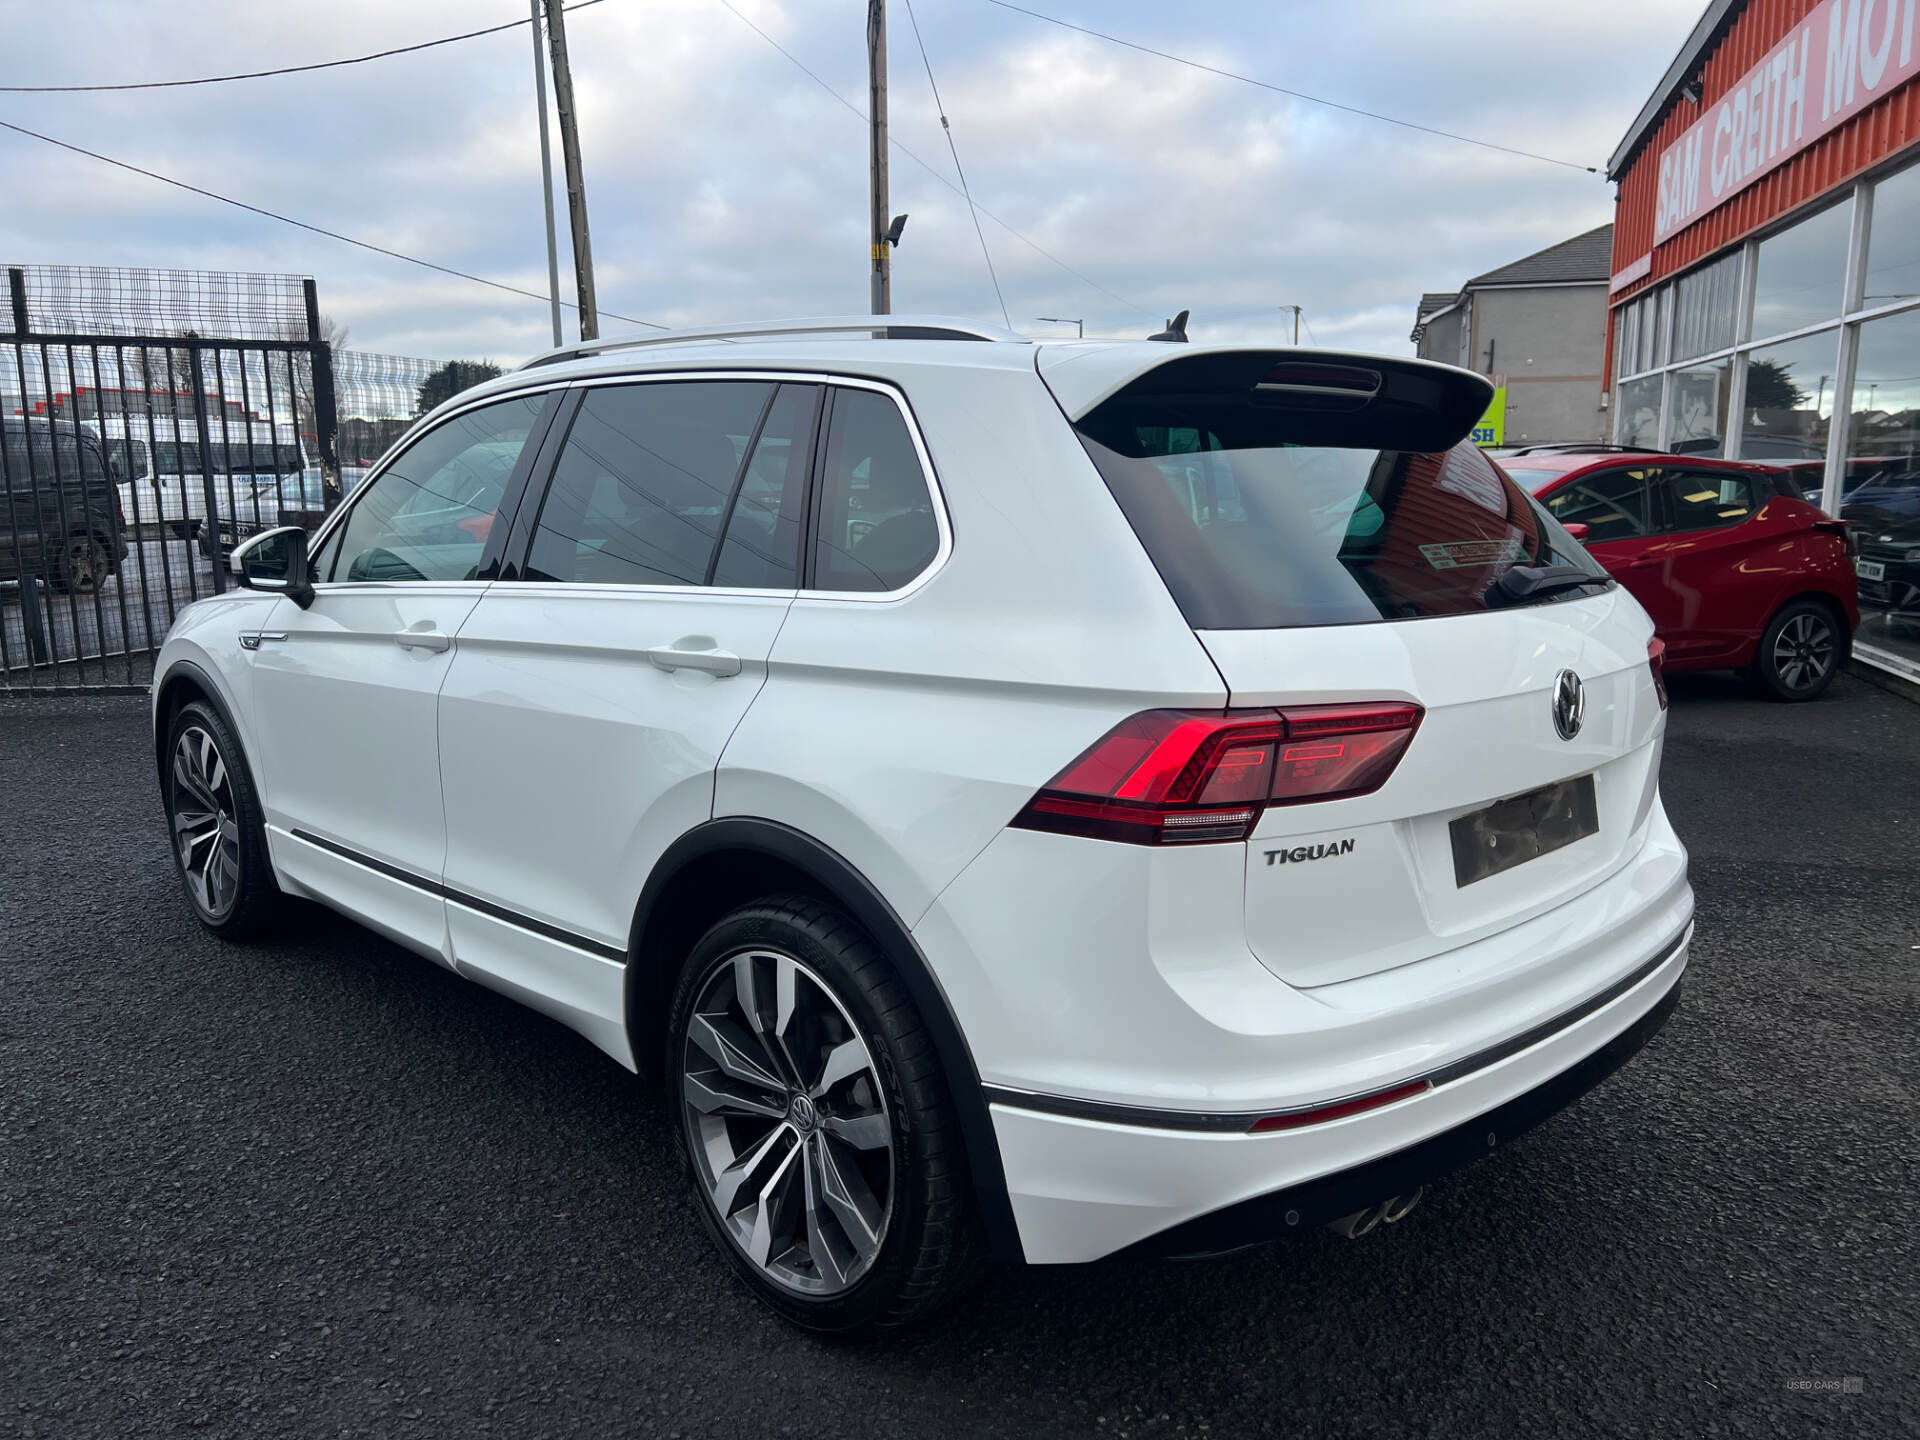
[[1316, 397]]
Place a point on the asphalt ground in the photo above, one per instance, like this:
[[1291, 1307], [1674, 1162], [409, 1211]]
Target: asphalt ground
[[320, 1187]]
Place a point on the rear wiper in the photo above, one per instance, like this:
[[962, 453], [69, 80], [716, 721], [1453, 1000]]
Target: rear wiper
[[1529, 582]]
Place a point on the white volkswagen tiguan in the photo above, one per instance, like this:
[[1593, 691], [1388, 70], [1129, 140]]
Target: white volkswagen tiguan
[[1024, 800]]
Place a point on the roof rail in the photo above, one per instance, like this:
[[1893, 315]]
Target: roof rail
[[881, 327], [1576, 447]]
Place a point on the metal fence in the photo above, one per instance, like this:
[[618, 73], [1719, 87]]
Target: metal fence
[[139, 448]]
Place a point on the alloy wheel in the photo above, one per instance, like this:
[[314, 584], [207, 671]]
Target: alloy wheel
[[85, 561], [787, 1123], [1803, 651], [206, 826]]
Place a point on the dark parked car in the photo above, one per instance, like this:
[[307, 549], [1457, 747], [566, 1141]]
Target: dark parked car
[[1738, 570], [61, 517], [1883, 519]]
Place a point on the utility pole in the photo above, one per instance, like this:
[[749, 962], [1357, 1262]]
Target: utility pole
[[1296, 321], [882, 255], [576, 186], [546, 172]]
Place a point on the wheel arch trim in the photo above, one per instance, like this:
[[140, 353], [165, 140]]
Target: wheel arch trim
[[853, 891], [202, 679]]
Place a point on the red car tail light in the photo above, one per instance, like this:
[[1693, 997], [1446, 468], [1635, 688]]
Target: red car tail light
[[1657, 663], [1177, 777], [1333, 751]]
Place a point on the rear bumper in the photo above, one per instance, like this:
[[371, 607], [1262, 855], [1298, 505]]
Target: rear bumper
[[1084, 1188], [1288, 1211]]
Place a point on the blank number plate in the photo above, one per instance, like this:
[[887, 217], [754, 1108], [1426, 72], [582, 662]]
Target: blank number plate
[[1518, 830]]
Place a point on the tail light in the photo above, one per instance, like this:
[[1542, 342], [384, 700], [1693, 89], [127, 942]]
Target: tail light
[[1178, 777], [1657, 663]]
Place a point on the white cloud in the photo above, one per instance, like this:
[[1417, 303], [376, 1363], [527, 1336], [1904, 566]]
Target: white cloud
[[723, 182]]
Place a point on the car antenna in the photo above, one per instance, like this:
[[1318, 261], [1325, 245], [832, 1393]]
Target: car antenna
[[1176, 331]]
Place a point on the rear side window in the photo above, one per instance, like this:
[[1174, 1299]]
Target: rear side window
[[639, 494], [1707, 499], [876, 528], [1612, 505], [1251, 530], [760, 549]]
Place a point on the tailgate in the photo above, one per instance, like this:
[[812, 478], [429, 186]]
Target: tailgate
[[1347, 887]]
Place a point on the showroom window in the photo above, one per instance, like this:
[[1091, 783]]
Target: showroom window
[[1705, 302], [1790, 399], [1639, 410], [1700, 399], [1736, 376], [1799, 274]]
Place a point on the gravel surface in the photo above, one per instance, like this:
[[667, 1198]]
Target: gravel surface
[[320, 1187]]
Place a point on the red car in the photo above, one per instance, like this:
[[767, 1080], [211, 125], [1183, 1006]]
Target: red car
[[1737, 570]]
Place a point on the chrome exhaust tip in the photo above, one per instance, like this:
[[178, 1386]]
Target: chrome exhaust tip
[[1360, 1222], [1401, 1206]]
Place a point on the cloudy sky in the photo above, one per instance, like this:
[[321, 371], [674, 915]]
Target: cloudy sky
[[725, 183]]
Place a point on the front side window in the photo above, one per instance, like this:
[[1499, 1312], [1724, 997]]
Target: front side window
[[1253, 530], [640, 491], [1706, 499], [1612, 505], [876, 526], [429, 514]]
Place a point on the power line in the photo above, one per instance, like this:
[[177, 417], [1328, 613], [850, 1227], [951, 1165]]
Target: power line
[[303, 225], [856, 110], [947, 130], [1293, 94], [283, 70]]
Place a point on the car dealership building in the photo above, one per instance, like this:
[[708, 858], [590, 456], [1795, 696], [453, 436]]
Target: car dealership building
[[1765, 295]]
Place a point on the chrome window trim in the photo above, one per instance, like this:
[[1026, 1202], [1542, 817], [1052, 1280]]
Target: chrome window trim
[[548, 384], [942, 521]]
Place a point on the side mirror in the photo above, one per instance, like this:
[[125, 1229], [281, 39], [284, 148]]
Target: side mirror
[[276, 561], [1576, 530]]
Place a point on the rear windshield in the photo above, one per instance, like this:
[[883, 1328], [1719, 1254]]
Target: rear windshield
[[1250, 531]]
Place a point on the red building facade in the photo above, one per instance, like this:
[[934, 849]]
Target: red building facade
[[1765, 299]]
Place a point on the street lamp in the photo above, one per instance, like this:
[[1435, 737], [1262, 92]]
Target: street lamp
[[1079, 326]]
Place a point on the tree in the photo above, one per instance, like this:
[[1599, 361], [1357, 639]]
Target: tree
[[450, 379], [1770, 386]]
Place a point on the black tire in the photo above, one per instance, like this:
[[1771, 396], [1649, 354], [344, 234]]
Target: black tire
[[1800, 652], [223, 867], [82, 565], [929, 1245]]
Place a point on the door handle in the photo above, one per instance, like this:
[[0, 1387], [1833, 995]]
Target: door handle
[[422, 640], [718, 663], [1645, 562]]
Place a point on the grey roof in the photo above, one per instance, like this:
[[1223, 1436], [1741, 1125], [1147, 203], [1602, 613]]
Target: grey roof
[[1584, 257], [1713, 24], [1435, 300]]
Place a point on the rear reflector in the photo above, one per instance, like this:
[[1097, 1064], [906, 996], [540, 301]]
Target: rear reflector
[[1176, 777], [1657, 663], [1294, 1119]]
